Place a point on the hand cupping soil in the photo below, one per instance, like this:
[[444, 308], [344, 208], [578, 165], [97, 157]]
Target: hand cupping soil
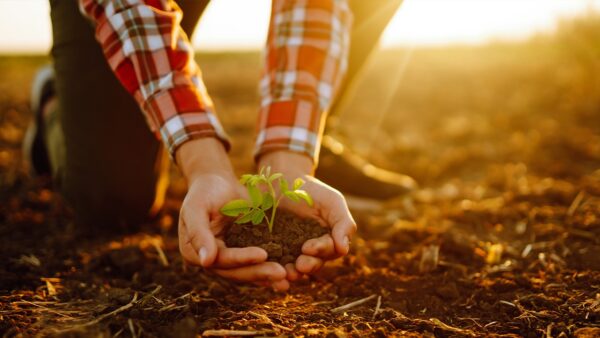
[[284, 244]]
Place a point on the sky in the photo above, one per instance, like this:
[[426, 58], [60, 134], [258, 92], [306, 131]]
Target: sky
[[242, 24]]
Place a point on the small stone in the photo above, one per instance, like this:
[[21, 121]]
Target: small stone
[[399, 323], [119, 296], [448, 291], [387, 314], [208, 324], [185, 328]]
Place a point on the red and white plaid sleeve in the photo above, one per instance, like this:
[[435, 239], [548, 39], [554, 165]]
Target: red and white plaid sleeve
[[306, 59], [151, 56]]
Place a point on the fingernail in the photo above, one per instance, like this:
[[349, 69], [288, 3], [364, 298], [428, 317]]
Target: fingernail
[[202, 253], [346, 241]]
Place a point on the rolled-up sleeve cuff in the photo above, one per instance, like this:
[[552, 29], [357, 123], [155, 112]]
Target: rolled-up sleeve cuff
[[177, 121], [182, 128], [290, 125]]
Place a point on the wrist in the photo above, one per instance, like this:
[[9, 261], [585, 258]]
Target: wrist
[[203, 156], [289, 163]]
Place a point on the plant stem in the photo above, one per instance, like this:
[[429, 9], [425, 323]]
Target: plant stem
[[272, 220], [274, 208]]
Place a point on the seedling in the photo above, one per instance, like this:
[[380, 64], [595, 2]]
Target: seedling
[[255, 209]]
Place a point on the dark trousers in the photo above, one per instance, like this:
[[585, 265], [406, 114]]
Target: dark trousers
[[106, 162]]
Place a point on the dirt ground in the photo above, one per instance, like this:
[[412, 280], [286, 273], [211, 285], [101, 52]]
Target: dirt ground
[[502, 238]]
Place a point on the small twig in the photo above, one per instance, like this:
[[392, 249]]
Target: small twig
[[474, 320], [62, 314], [125, 307], [429, 258], [147, 296], [184, 296], [377, 307], [447, 327], [457, 266], [112, 313], [583, 234], [140, 329], [21, 302], [226, 333], [172, 307], [549, 330], [489, 324], [160, 301], [353, 304], [526, 250], [30, 259], [118, 333], [131, 328], [161, 254], [576, 203], [49, 286], [268, 320]]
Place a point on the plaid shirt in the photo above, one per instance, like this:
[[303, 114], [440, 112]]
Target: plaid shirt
[[305, 60]]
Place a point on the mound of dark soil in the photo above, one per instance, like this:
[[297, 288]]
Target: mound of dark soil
[[284, 244]]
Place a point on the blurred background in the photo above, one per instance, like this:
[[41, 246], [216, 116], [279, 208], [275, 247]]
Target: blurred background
[[493, 106], [457, 87]]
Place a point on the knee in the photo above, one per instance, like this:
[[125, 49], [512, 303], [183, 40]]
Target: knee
[[109, 203]]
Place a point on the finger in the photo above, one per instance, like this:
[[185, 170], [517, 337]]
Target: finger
[[196, 241], [228, 258], [308, 264], [342, 234], [322, 247], [292, 273], [281, 285], [343, 225], [267, 271]]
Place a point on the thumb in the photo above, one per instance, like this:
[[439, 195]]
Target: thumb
[[200, 238], [342, 224]]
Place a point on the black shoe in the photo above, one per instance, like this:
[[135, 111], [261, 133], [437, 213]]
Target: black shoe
[[34, 147], [352, 174]]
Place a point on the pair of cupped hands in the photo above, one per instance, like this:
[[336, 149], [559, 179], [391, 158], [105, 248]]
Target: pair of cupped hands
[[212, 183]]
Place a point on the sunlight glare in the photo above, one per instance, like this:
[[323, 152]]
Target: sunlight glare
[[438, 22], [242, 24]]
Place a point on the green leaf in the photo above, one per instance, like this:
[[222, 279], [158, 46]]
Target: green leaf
[[305, 196], [275, 176], [255, 195], [267, 171], [291, 195], [298, 183], [267, 201], [247, 217], [245, 178], [262, 179], [253, 181], [283, 186], [258, 216], [235, 208]]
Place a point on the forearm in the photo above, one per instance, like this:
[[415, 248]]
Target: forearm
[[203, 156], [291, 164]]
